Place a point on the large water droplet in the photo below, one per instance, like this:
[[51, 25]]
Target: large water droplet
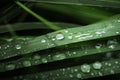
[[27, 63], [85, 68], [59, 36], [59, 57], [10, 67], [18, 46], [97, 65]]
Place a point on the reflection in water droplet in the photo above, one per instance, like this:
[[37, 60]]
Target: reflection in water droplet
[[59, 36], [85, 68], [79, 75], [10, 67], [97, 65], [18, 46], [27, 63], [59, 57]]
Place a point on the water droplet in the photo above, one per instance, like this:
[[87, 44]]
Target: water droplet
[[44, 60], [100, 74], [18, 46], [10, 67], [59, 36], [66, 31], [43, 41], [112, 71], [112, 44], [118, 20], [36, 57], [71, 75], [79, 75], [27, 63], [85, 68], [59, 57], [97, 65], [98, 46], [117, 32], [70, 37]]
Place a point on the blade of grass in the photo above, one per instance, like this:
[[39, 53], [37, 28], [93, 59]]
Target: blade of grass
[[99, 3], [34, 25], [108, 67], [40, 18], [108, 28], [82, 49]]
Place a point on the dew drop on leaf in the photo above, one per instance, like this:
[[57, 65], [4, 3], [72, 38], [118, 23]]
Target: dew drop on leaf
[[97, 65], [18, 46], [10, 67], [59, 36], [85, 68], [27, 63], [112, 44], [98, 46], [59, 57], [70, 37], [43, 41], [36, 57]]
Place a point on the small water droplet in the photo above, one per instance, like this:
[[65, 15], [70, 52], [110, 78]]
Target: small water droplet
[[100, 74], [79, 75], [44, 60], [59, 57], [70, 37], [59, 36], [85, 68], [36, 57], [97, 65], [112, 44], [118, 20], [112, 71], [43, 41], [71, 75], [27, 63], [98, 46], [10, 67], [117, 32], [18, 46]]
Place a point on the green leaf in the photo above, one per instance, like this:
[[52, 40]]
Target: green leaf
[[84, 71], [91, 32], [99, 3], [78, 51]]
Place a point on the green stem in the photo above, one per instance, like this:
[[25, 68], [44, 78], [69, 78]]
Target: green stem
[[40, 18]]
